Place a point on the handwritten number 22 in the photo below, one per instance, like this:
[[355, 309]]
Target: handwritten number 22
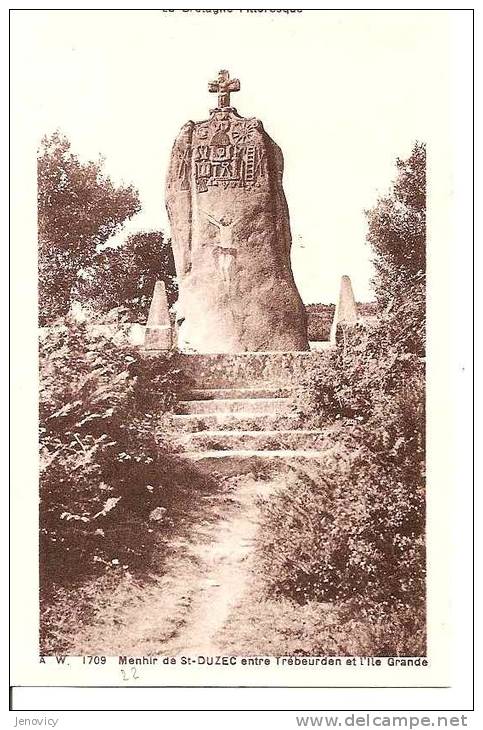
[[132, 672]]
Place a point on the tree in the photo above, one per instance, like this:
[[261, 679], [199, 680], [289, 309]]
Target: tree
[[125, 276], [397, 234], [79, 208]]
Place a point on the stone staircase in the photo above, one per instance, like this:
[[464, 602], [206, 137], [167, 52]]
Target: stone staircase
[[236, 412]]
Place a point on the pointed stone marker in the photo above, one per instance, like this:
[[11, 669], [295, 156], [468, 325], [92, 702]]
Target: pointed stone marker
[[157, 335], [346, 310]]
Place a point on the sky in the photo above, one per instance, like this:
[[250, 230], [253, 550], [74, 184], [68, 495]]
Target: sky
[[344, 93]]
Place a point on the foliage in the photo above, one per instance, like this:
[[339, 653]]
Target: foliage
[[365, 309], [320, 318], [126, 275], [319, 321], [318, 325], [353, 533], [397, 224], [97, 610], [363, 376], [397, 234], [79, 208], [100, 464]]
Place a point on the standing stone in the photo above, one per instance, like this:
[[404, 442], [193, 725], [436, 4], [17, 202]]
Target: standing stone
[[231, 236], [158, 328], [346, 310]]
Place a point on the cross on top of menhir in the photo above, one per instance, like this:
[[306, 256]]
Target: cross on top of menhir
[[223, 86]]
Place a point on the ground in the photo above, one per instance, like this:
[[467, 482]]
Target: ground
[[207, 599], [202, 589], [205, 573]]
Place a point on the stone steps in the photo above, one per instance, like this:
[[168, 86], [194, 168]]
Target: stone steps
[[250, 461], [280, 440], [252, 454], [270, 406], [236, 413], [192, 422], [237, 393]]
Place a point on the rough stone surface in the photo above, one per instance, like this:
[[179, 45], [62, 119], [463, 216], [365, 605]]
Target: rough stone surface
[[231, 239], [247, 369], [158, 328], [346, 310]]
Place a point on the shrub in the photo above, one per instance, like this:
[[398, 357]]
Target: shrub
[[356, 529], [352, 532], [359, 376], [381, 632], [321, 316], [319, 321], [99, 466]]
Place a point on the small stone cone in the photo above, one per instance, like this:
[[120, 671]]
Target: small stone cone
[[158, 328], [346, 310]]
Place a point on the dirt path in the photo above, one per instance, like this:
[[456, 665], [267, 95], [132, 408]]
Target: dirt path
[[225, 562], [206, 576]]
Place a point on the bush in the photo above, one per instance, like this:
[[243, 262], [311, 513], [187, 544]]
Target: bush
[[361, 375], [319, 321], [353, 533], [100, 465], [356, 530], [381, 632], [321, 316]]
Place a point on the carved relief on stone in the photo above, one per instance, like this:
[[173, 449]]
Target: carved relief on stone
[[221, 134], [234, 156], [203, 131], [224, 251], [244, 132], [184, 166]]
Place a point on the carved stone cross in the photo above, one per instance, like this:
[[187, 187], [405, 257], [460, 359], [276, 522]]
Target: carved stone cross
[[223, 87]]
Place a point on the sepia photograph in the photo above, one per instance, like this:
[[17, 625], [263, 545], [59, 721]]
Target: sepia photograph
[[231, 253]]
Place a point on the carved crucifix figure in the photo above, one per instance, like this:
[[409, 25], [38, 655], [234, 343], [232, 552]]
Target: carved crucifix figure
[[223, 87], [224, 250]]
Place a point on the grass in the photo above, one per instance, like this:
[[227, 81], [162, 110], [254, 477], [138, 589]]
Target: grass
[[264, 626]]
